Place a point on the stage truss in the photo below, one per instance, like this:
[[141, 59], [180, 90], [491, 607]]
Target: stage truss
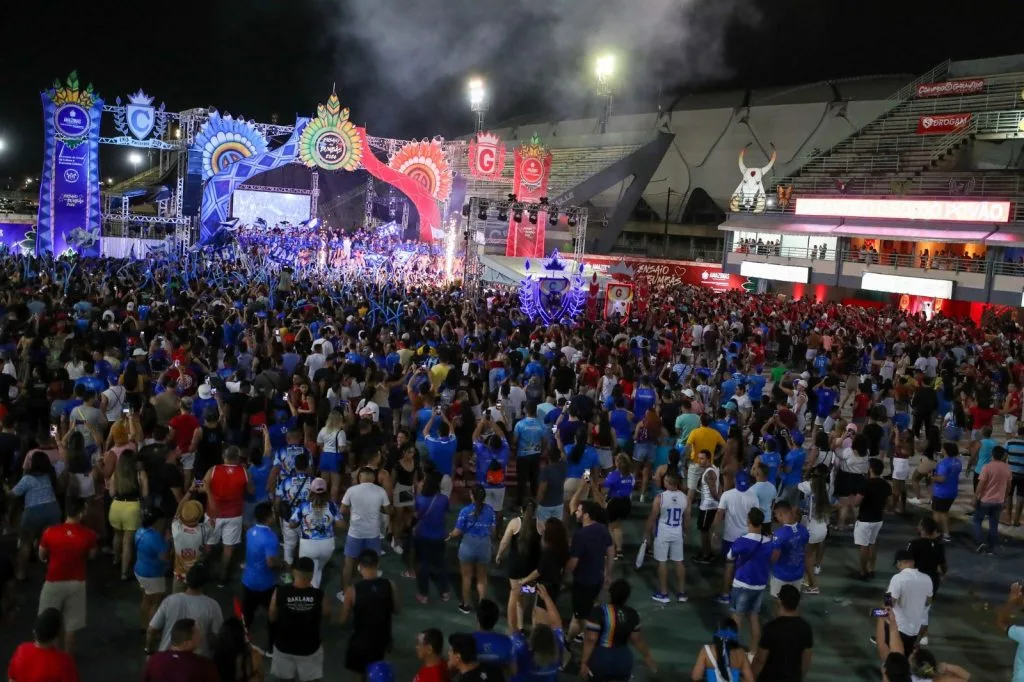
[[474, 235], [172, 147]]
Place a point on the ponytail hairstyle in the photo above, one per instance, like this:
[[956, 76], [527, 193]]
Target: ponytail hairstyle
[[579, 446], [724, 639], [479, 494], [528, 528], [819, 487]]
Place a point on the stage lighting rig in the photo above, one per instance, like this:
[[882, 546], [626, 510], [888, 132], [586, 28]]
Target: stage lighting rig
[[482, 213], [532, 212], [552, 217], [503, 213], [517, 213], [465, 210], [570, 219]]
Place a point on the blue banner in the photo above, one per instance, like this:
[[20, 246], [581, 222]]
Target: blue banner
[[18, 238], [69, 190]]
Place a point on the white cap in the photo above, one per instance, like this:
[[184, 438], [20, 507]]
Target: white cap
[[138, 353], [204, 392]]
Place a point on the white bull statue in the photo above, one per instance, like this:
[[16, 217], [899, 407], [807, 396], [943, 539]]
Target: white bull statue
[[750, 194]]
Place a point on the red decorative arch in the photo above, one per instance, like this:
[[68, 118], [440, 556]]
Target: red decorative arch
[[422, 199]]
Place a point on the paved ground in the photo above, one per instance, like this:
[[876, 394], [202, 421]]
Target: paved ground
[[963, 630]]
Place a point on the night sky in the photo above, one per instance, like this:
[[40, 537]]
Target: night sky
[[401, 65]]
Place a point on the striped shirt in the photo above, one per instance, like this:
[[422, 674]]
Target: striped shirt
[[1015, 456]]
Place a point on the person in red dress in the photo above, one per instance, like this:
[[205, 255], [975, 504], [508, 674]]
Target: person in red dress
[[41, 660]]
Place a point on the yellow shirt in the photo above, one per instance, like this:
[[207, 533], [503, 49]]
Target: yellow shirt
[[438, 373], [704, 438]]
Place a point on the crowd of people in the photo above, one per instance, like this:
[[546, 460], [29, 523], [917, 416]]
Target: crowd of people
[[267, 438]]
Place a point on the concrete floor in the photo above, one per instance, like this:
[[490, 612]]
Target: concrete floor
[[963, 630]]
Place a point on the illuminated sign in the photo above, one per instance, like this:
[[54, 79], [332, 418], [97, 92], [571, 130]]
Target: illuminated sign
[[781, 273], [907, 209], [914, 286]]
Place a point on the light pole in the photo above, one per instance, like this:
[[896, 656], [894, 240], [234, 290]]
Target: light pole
[[478, 101], [604, 69], [135, 159]]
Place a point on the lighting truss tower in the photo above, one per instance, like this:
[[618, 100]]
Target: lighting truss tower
[[604, 69], [478, 102]]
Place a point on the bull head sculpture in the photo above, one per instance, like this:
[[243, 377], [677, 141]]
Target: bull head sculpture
[[750, 194]]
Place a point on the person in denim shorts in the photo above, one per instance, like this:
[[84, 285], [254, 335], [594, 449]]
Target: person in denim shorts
[[475, 525]]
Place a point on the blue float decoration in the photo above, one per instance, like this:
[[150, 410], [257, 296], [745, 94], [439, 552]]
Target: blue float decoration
[[556, 294]]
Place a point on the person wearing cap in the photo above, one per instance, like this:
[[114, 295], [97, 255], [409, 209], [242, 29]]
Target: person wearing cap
[[206, 398], [316, 519], [910, 594], [188, 535], [226, 486], [191, 603], [371, 602], [297, 611], [41, 660]]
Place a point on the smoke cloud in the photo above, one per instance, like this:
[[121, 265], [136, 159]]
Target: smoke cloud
[[535, 54]]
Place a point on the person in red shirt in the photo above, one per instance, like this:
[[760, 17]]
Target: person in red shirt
[[181, 663], [226, 486], [41, 660], [67, 547], [428, 650], [183, 426]]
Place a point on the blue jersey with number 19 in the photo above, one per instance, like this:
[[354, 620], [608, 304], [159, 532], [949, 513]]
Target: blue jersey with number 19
[[673, 506]]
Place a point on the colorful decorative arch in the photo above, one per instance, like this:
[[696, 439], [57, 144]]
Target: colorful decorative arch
[[331, 141], [224, 141], [426, 163]]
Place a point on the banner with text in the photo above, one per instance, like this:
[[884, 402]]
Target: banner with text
[[529, 183], [658, 272], [69, 190], [942, 124], [968, 86]]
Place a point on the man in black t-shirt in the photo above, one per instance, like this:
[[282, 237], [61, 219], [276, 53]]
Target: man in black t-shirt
[[872, 500], [784, 651], [874, 431], [930, 558], [296, 612], [237, 417]]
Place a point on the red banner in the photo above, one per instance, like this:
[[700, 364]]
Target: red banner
[[969, 86], [941, 124], [529, 183], [486, 156], [658, 272]]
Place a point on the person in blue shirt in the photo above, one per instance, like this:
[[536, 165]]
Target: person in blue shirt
[[283, 459], [789, 542], [491, 461], [619, 484], [826, 396], [792, 468], [755, 387], [534, 368], [259, 473], [431, 507], [528, 440], [621, 421], [821, 364], [476, 526], [421, 418], [441, 449], [580, 458], [752, 557], [152, 561], [262, 559], [644, 397], [945, 486], [770, 459], [728, 391], [721, 422], [539, 656], [493, 649], [981, 454]]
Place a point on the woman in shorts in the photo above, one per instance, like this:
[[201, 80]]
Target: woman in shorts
[[405, 475], [619, 485], [901, 472], [475, 525], [152, 554], [331, 442], [819, 510], [38, 486], [129, 485]]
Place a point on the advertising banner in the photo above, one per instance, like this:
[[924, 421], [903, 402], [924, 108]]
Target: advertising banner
[[69, 190], [656, 272], [529, 183], [942, 124], [968, 86], [18, 238], [486, 156], [618, 298]]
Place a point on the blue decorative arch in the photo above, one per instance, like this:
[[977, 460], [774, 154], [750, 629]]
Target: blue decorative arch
[[219, 188]]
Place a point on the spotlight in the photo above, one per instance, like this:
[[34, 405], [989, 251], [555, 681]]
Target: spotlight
[[570, 219], [503, 213], [465, 210], [517, 214], [482, 213], [512, 198], [553, 218], [533, 215]]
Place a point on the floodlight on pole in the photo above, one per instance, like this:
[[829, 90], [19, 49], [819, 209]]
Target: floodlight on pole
[[605, 69], [135, 159], [3, 144], [477, 100]]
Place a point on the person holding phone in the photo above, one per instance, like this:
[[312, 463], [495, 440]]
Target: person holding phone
[[522, 543]]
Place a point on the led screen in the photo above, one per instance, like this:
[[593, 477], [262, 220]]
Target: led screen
[[274, 207]]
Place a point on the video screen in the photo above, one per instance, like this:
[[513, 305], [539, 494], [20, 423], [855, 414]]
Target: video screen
[[274, 207]]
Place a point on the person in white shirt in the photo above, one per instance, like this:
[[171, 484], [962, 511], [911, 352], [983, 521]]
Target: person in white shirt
[[362, 506], [733, 507], [668, 512], [112, 402], [316, 360], [911, 594], [710, 492]]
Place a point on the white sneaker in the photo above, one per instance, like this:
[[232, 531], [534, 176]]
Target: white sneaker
[[817, 570], [397, 548], [923, 641]]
